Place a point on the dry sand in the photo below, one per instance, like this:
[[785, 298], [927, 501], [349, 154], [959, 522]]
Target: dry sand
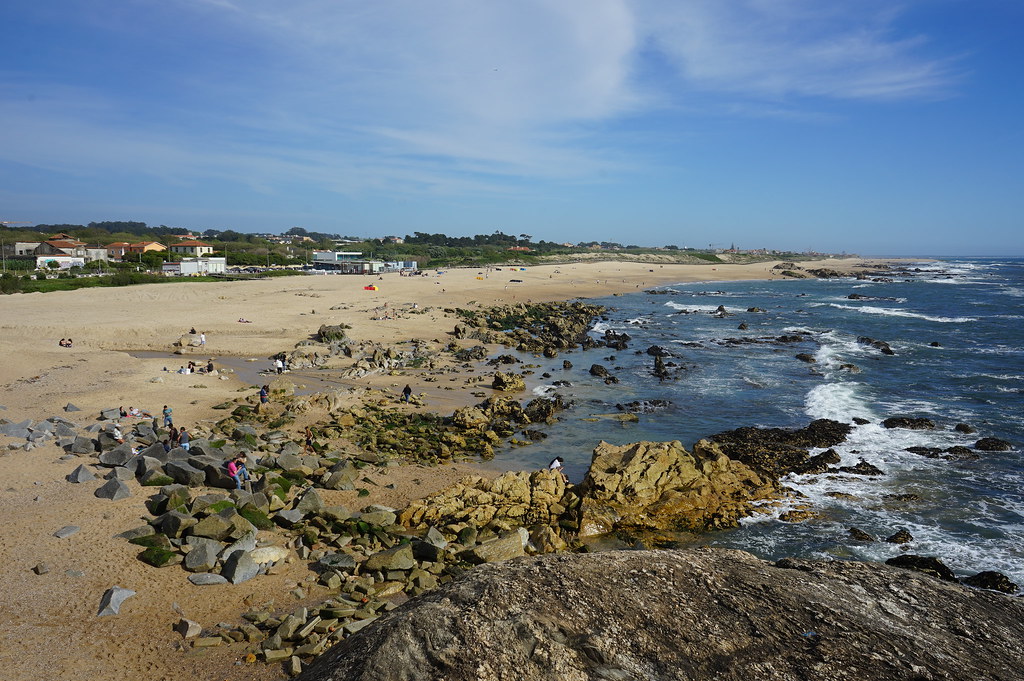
[[50, 626]]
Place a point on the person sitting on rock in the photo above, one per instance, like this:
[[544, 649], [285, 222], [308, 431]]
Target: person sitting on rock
[[238, 471], [556, 465]]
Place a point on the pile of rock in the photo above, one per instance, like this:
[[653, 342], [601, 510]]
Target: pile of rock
[[29, 434], [545, 328]]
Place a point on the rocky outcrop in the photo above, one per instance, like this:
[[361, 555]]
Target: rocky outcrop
[[661, 486], [539, 327], [777, 451], [695, 614], [512, 500], [508, 382]]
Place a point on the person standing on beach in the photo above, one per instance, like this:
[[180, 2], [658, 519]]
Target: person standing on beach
[[406, 393], [172, 436], [184, 439], [264, 397], [279, 365], [308, 448], [202, 339]]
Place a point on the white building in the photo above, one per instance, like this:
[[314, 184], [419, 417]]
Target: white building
[[64, 262], [191, 267]]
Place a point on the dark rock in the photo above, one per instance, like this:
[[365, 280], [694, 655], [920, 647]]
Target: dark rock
[[992, 580], [862, 468], [598, 371], [239, 567], [685, 615], [929, 565], [331, 332], [203, 554], [80, 474], [964, 428], [959, 453], [338, 561], [114, 489], [118, 456], [879, 345], [805, 357], [901, 537], [993, 444], [777, 451], [909, 422], [929, 452], [818, 463], [185, 474], [860, 535]]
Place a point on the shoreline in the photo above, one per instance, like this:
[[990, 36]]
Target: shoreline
[[93, 375]]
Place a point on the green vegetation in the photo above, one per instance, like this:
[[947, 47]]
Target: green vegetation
[[259, 519], [159, 557]]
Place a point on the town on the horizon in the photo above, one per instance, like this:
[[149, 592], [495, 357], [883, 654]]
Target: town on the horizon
[[70, 251]]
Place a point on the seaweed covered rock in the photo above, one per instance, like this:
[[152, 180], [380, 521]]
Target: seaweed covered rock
[[777, 451]]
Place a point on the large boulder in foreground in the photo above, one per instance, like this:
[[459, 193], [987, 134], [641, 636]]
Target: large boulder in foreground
[[662, 486], [693, 614]]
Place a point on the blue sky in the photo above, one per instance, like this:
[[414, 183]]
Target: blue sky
[[871, 127]]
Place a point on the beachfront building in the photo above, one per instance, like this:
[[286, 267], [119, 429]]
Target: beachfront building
[[351, 262], [196, 249], [63, 262], [193, 267]]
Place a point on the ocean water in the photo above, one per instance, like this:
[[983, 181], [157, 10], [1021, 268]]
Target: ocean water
[[957, 329]]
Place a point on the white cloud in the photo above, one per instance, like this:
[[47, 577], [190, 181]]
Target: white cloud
[[782, 48], [453, 96]]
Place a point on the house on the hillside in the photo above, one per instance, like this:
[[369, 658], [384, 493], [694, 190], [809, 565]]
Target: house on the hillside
[[520, 249], [116, 250], [146, 247], [195, 249]]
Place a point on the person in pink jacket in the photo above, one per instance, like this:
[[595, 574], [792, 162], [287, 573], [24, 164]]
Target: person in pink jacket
[[238, 471]]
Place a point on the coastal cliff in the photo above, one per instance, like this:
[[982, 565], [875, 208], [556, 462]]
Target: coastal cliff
[[687, 614]]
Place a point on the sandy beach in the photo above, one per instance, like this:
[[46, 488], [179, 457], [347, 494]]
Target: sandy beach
[[123, 338]]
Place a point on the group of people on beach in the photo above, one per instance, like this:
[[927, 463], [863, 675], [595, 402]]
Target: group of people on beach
[[193, 368], [134, 412], [66, 343]]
